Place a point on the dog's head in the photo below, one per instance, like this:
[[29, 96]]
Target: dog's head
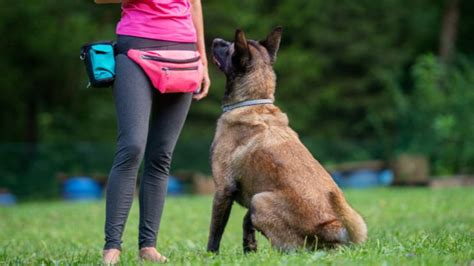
[[248, 65]]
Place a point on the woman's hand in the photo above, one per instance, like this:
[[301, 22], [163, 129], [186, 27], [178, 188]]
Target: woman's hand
[[206, 83], [196, 13]]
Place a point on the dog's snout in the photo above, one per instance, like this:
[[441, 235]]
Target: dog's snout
[[220, 53]]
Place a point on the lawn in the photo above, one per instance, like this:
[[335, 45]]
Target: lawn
[[406, 227]]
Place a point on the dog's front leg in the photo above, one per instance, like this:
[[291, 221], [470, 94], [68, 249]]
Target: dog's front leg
[[223, 199]]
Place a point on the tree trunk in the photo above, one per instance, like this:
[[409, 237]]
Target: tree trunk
[[449, 30]]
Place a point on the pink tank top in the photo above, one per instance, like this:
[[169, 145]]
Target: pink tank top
[[168, 20]]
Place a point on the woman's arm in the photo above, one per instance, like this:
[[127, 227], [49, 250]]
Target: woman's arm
[[108, 1], [196, 12]]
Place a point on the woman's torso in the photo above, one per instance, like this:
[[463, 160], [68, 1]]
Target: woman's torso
[[168, 20]]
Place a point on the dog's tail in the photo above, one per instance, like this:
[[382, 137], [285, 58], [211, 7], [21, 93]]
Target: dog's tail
[[351, 220]]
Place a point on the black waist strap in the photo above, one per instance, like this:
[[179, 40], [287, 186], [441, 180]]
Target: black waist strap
[[125, 43]]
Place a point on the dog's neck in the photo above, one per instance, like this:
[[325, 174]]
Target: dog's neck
[[249, 87]]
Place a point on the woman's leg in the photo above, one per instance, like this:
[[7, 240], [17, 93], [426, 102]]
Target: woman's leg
[[167, 119], [133, 100]]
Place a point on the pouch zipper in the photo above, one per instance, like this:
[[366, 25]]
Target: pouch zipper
[[179, 68], [169, 60]]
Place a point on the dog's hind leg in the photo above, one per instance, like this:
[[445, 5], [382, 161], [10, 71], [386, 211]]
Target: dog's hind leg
[[249, 241], [271, 216]]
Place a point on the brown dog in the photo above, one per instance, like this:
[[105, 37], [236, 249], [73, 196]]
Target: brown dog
[[259, 161]]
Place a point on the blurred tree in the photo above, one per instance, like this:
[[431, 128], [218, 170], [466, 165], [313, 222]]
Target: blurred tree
[[340, 62], [45, 77], [43, 99], [345, 77], [434, 120]]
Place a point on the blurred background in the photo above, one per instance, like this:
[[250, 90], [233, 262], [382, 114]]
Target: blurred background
[[370, 86]]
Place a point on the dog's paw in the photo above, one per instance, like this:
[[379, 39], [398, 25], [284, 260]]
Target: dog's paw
[[250, 247], [213, 250]]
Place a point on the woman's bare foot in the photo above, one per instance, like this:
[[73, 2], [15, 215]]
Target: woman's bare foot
[[111, 256], [152, 255]]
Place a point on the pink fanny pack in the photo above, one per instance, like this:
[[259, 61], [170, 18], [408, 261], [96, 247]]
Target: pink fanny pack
[[170, 71]]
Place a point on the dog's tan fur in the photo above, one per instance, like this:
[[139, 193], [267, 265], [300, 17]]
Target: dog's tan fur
[[259, 161]]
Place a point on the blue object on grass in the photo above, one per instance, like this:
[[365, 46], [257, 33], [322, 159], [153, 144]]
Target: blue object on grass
[[7, 199], [174, 186], [82, 188], [363, 178], [386, 177]]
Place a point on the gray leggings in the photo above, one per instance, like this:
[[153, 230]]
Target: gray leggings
[[149, 124]]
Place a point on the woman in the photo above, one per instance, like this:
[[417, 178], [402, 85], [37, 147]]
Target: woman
[[149, 123]]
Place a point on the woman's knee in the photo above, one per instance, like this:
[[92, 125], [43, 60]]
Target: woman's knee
[[129, 155], [160, 162]]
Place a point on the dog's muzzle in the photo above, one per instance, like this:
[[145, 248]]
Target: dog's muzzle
[[220, 52]]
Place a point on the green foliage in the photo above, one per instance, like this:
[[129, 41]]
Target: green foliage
[[35, 174], [341, 66], [406, 227], [344, 78], [434, 119], [45, 84]]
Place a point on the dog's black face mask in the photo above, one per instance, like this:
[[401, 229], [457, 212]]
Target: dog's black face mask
[[222, 51], [236, 57], [246, 61]]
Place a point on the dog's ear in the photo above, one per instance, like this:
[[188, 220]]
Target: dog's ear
[[272, 43], [242, 53]]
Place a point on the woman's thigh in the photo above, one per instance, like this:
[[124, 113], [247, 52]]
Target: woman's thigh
[[133, 101], [169, 113]]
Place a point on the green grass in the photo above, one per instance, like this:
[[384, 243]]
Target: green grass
[[406, 227]]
